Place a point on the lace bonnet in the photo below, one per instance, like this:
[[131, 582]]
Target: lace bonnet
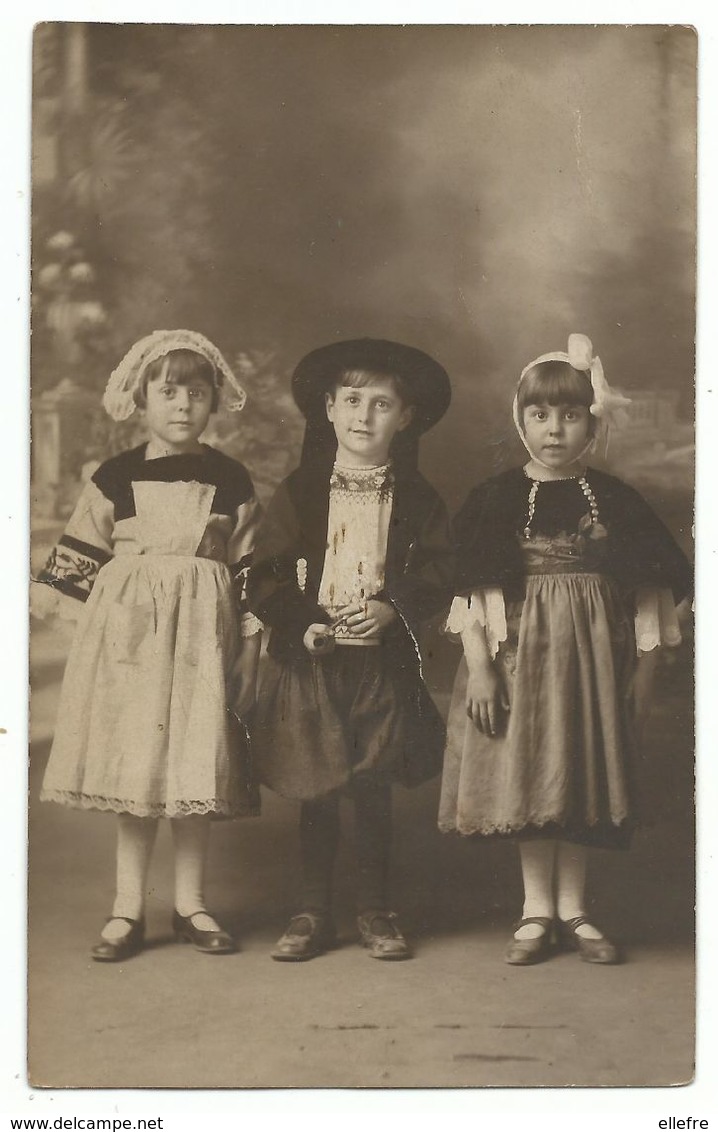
[[118, 399], [608, 407]]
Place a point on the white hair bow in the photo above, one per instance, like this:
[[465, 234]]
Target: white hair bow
[[608, 405]]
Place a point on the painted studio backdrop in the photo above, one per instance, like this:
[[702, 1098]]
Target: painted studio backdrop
[[479, 193]]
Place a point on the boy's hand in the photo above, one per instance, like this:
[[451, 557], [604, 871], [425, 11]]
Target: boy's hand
[[368, 619], [486, 700], [318, 640]]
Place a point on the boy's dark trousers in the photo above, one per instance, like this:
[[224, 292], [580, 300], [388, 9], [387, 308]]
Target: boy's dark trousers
[[319, 840]]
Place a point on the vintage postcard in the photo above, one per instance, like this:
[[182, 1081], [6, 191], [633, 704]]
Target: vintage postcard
[[361, 535]]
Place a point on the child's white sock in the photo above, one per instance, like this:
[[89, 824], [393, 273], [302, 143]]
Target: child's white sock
[[191, 841], [537, 867], [571, 861], [135, 839]]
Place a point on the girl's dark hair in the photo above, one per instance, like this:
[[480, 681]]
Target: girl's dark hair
[[554, 383], [358, 378], [183, 367]]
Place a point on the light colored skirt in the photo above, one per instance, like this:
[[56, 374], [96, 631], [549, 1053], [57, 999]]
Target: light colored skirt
[[562, 764], [143, 725]]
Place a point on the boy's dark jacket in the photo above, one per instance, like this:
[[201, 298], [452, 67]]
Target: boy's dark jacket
[[418, 583], [418, 571]]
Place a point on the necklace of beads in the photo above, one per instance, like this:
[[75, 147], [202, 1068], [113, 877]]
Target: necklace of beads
[[585, 488]]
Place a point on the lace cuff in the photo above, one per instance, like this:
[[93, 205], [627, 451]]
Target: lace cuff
[[485, 607], [47, 602], [656, 620], [249, 625]]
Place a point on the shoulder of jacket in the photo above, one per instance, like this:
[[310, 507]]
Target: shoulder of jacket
[[232, 474], [612, 485], [118, 468], [496, 488], [422, 487]]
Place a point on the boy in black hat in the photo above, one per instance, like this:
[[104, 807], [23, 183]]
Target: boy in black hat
[[354, 553]]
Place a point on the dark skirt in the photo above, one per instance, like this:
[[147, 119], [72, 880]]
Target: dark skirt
[[563, 765], [321, 722]]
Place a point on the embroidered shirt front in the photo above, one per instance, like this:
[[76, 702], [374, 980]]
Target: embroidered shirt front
[[360, 505]]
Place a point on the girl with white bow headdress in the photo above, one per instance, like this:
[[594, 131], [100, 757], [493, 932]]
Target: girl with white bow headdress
[[567, 585], [162, 670]]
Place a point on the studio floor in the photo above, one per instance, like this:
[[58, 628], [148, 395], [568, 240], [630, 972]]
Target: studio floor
[[455, 1015]]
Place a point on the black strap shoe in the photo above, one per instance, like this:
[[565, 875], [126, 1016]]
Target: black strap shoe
[[212, 942], [590, 950], [525, 952], [114, 951]]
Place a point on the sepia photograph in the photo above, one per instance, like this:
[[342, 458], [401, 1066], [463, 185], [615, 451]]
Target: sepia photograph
[[361, 556]]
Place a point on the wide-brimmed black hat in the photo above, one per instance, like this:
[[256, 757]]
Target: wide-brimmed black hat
[[427, 381]]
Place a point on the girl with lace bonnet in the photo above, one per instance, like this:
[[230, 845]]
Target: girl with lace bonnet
[[153, 564], [567, 585], [353, 555]]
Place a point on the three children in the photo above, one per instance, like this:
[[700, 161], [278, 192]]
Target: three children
[[560, 570]]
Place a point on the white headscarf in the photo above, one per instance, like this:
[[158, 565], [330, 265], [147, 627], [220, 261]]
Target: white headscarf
[[118, 398], [608, 406]]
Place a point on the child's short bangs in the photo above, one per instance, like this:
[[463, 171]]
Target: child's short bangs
[[180, 367], [183, 366], [358, 378], [555, 383]]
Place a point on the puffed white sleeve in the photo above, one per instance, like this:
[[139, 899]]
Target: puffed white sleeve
[[484, 606], [656, 620]]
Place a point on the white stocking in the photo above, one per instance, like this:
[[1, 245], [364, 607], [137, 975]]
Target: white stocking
[[135, 840], [571, 861], [537, 867], [191, 842]]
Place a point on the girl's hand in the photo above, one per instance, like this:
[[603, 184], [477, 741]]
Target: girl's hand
[[44, 601], [486, 700], [318, 640], [368, 619], [57, 610]]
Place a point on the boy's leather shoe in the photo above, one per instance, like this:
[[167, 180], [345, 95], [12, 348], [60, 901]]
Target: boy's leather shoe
[[308, 934], [380, 933]]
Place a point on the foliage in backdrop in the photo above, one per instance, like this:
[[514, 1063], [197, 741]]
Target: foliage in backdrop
[[479, 192]]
